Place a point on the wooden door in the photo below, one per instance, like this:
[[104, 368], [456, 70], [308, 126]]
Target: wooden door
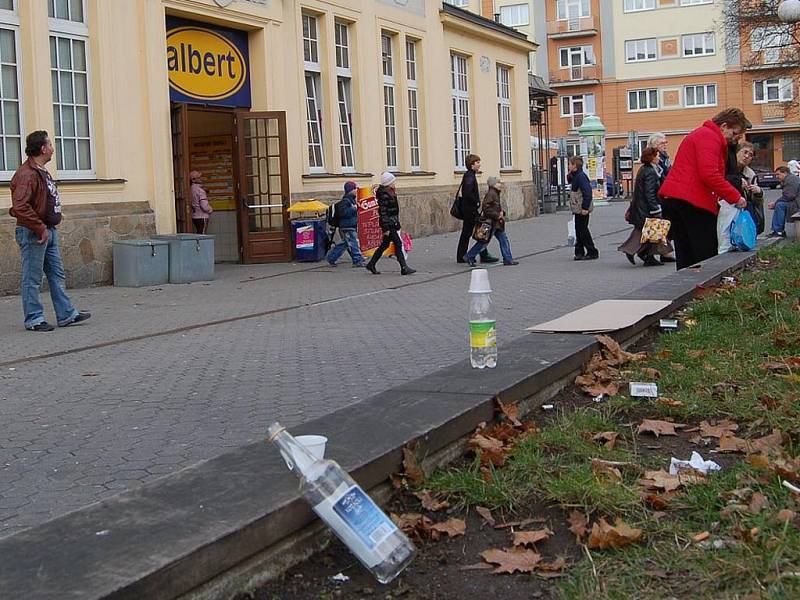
[[179, 116], [263, 187]]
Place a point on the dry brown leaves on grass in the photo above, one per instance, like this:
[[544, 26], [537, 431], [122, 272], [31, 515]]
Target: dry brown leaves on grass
[[658, 428], [601, 375], [608, 469], [429, 502], [717, 428], [605, 536], [412, 473], [493, 444], [419, 527], [769, 443], [669, 402], [607, 438], [512, 560], [486, 514], [661, 480], [530, 538], [779, 463], [784, 363], [578, 524]]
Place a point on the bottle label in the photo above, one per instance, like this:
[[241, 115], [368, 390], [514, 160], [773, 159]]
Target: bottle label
[[364, 517], [482, 334]]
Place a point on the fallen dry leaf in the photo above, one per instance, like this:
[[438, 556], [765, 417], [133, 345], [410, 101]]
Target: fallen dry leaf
[[604, 536], [731, 443], [522, 523], [660, 480], [608, 438], [412, 524], [603, 468], [578, 524], [525, 538], [486, 514], [411, 469], [491, 450], [658, 428], [701, 291], [696, 353], [649, 373], [758, 503], [511, 411], [657, 501], [717, 429], [784, 363], [664, 401], [664, 354], [614, 352], [512, 560], [451, 527], [429, 502], [785, 516], [700, 537]]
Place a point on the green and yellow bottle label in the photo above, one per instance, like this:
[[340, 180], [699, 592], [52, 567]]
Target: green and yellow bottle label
[[482, 334]]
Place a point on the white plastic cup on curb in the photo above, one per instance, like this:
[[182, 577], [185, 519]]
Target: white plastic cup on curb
[[315, 444], [479, 282]]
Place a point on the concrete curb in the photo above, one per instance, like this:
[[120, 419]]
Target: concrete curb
[[181, 532]]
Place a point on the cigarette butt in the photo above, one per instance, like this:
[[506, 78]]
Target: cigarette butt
[[792, 488], [548, 406]]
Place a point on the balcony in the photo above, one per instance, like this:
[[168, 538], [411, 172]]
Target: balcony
[[575, 75], [570, 28]]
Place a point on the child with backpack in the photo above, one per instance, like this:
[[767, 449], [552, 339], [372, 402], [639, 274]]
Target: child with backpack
[[344, 216]]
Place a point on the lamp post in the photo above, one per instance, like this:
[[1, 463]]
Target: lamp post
[[789, 11], [593, 132]]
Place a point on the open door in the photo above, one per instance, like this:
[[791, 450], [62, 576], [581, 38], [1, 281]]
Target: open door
[[263, 187], [179, 116]]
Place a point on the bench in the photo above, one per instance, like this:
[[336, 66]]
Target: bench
[[795, 220]]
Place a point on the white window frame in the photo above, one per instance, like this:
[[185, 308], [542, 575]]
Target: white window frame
[[513, 15], [412, 87], [649, 95], [315, 140], [695, 2], [563, 6], [705, 87], [783, 87], [638, 5], [389, 101], [10, 21], [310, 41], [344, 96], [458, 3], [584, 53], [689, 44], [459, 84], [75, 32], [342, 46], [504, 125], [633, 47], [585, 101]]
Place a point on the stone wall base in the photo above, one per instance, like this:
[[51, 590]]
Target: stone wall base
[[85, 239]]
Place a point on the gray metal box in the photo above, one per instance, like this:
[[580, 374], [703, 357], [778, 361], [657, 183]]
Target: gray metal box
[[139, 263], [191, 257]]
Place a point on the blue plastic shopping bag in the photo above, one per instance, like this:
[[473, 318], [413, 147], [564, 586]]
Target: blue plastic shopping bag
[[743, 231]]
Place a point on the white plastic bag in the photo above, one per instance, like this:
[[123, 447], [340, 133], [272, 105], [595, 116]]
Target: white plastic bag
[[727, 213], [571, 232]]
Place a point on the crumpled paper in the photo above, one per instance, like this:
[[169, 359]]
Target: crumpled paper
[[696, 462]]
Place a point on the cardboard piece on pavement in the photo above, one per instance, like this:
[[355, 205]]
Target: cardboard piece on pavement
[[602, 316]]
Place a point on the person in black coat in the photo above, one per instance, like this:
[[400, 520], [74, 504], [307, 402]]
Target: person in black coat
[[389, 218], [579, 181], [644, 205], [470, 209]]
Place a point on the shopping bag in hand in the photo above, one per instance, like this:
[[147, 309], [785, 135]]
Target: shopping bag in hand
[[655, 231], [482, 232], [743, 232], [725, 217]]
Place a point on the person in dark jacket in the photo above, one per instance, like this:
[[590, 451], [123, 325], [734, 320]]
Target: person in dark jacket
[[749, 181], [696, 182], [645, 204], [579, 181], [470, 208], [389, 218], [787, 204], [348, 228], [491, 210], [662, 166]]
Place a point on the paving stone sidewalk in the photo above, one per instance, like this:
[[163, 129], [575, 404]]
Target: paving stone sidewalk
[[163, 377]]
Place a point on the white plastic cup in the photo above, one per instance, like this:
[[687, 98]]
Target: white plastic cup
[[315, 444], [479, 282]]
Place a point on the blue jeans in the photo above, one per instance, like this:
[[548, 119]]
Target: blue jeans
[[39, 260], [349, 242], [779, 216], [505, 247]]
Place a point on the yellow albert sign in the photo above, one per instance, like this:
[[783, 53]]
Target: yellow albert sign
[[205, 65]]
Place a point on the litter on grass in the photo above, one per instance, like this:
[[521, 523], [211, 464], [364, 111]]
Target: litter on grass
[[639, 389], [696, 462]]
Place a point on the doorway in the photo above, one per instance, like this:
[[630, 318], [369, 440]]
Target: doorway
[[764, 155], [242, 156]]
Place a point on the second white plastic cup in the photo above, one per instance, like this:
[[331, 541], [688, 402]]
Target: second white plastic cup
[[315, 444]]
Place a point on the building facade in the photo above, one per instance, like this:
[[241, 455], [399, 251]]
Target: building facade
[[273, 101], [656, 65]]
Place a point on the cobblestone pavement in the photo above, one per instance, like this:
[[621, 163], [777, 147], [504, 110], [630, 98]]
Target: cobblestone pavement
[[163, 377]]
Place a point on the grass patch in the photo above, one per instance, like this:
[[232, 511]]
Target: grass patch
[[715, 368]]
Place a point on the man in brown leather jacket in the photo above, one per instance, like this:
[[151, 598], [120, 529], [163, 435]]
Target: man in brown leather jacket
[[37, 207]]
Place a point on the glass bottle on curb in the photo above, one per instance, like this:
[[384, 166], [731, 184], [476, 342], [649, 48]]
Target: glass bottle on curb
[[482, 323], [344, 507]]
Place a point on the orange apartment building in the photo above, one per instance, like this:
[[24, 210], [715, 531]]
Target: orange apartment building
[[655, 65]]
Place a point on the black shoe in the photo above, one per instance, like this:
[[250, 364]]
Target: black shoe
[[580, 257], [594, 256], [371, 268], [510, 263], [489, 259], [630, 258], [407, 271], [650, 261], [80, 317], [668, 259], [43, 326], [460, 261]]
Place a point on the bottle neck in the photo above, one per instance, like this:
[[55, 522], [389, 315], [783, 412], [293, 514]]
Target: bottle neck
[[295, 454]]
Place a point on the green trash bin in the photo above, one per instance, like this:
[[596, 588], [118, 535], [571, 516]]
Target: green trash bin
[[191, 257]]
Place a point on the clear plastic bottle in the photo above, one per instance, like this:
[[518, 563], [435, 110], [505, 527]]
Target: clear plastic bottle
[[352, 515], [482, 324]]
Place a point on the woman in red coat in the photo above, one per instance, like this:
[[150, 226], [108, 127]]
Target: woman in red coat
[[697, 182]]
